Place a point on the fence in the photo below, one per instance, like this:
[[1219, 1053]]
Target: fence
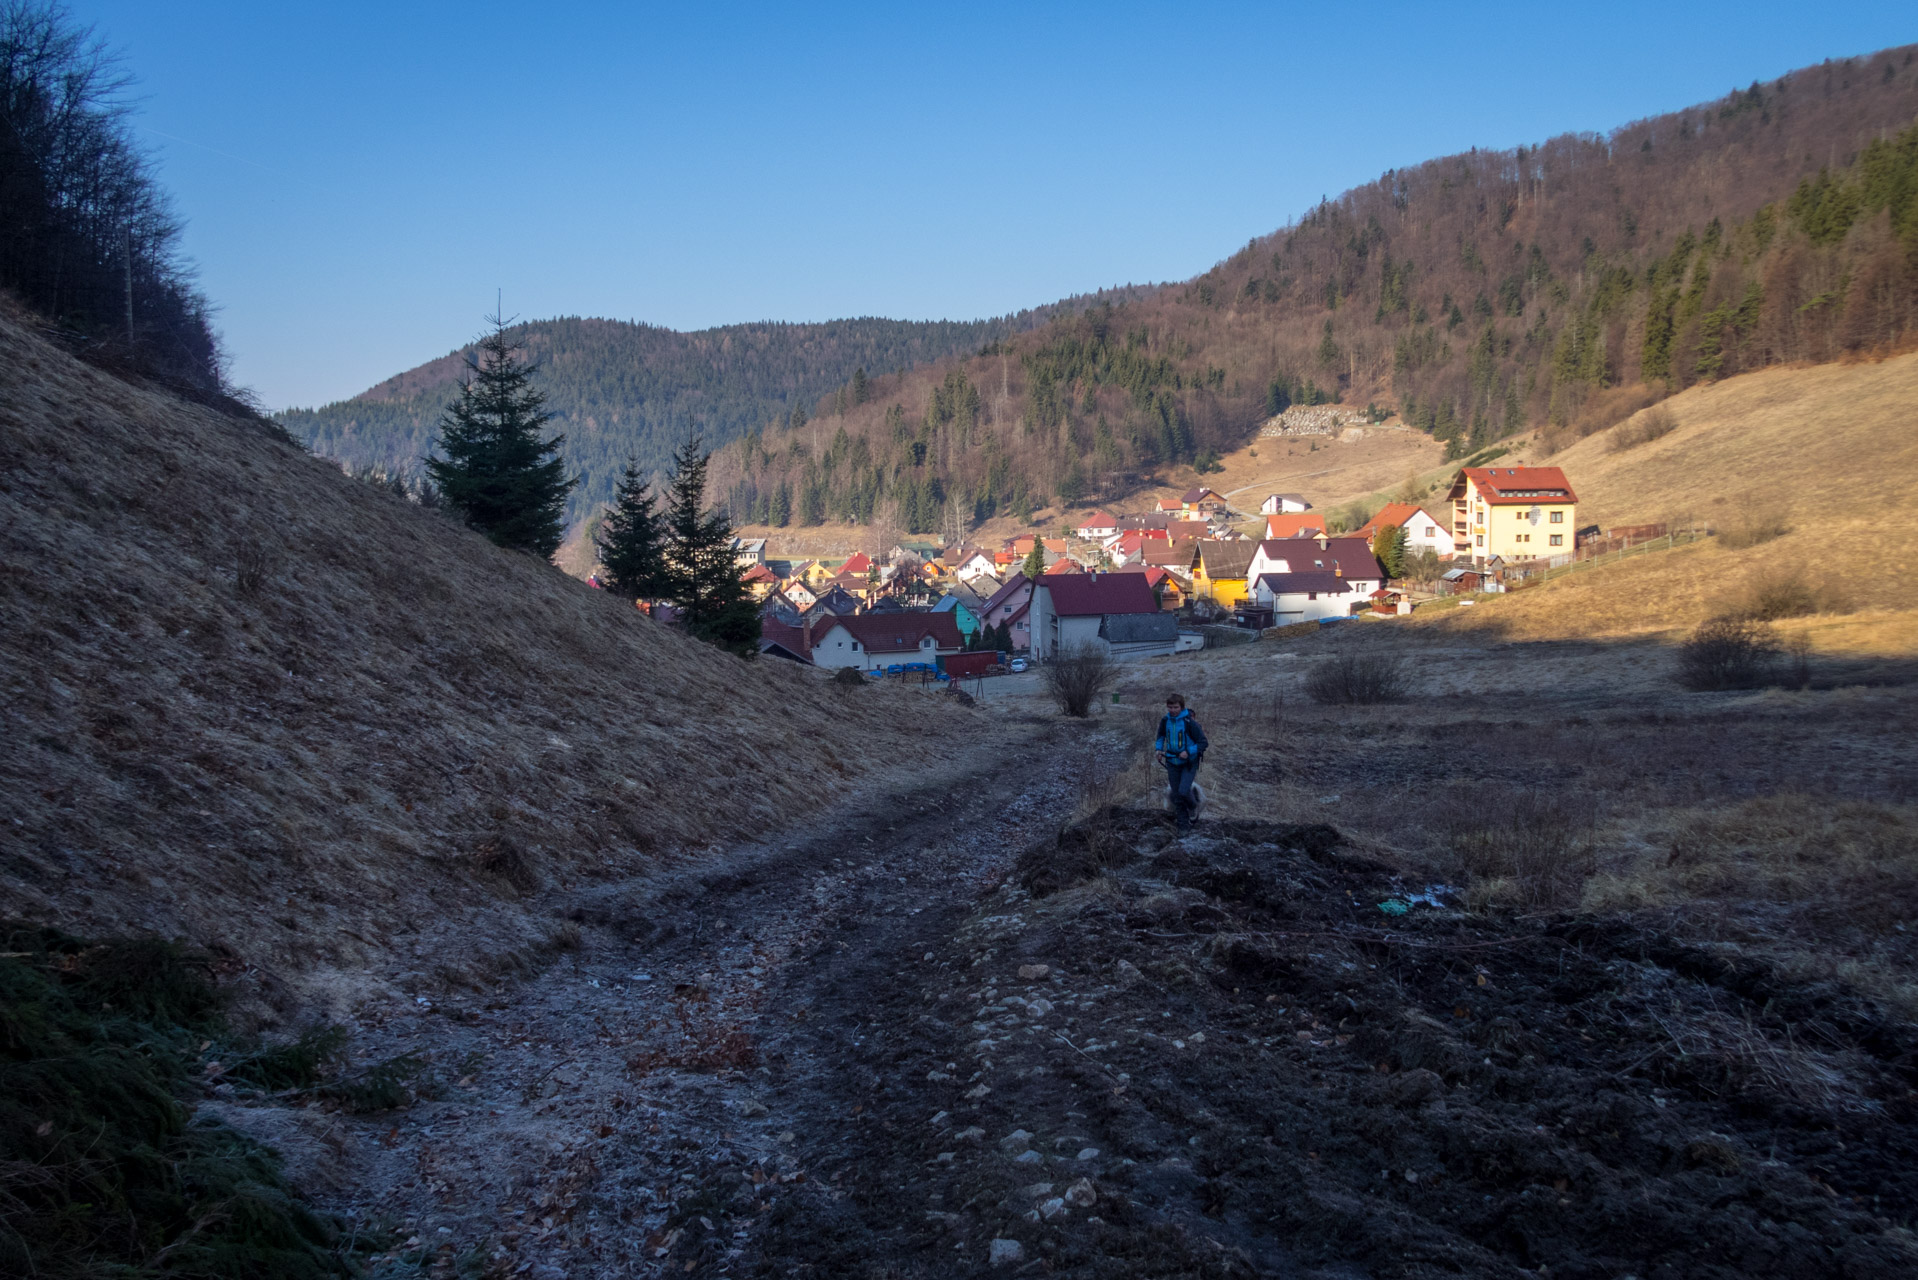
[[1596, 552]]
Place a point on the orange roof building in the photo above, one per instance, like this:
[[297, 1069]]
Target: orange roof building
[[1514, 513]]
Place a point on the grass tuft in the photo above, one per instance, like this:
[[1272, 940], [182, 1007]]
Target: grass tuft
[[101, 1172]]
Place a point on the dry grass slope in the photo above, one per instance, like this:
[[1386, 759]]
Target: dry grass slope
[[1828, 452], [255, 704]]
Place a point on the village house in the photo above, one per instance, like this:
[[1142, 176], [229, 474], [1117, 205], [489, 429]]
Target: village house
[[973, 564], [874, 641], [1424, 531], [780, 639], [801, 595], [1130, 546], [1282, 504], [1219, 569], [1294, 525], [965, 612], [1097, 527], [1350, 559], [1113, 613], [1171, 595], [1304, 597], [1515, 513], [749, 551], [1011, 605], [760, 581], [1201, 502]]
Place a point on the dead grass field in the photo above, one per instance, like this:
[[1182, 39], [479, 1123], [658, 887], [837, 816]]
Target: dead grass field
[[333, 736], [1576, 775], [1828, 453]]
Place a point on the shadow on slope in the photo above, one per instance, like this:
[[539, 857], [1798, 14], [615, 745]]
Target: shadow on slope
[[322, 732]]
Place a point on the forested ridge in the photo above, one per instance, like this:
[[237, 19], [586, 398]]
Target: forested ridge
[[1562, 286], [619, 390]]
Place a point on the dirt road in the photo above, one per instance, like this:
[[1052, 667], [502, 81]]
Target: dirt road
[[595, 1120], [942, 1038]]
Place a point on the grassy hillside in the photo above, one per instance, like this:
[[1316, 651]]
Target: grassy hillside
[[281, 713], [1803, 471]]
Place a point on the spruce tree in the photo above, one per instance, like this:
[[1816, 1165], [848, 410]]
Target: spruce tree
[[631, 544], [1035, 563], [702, 576], [497, 472]]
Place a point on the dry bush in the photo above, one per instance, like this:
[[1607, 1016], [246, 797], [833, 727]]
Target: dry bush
[[1076, 678], [1357, 679], [848, 676], [253, 564], [1754, 529], [1727, 653], [1535, 852], [1779, 593], [1786, 593], [1654, 423]]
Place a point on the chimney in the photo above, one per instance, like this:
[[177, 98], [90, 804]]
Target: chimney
[[805, 633]]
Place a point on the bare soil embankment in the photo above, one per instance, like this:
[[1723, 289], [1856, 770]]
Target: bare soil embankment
[[336, 738]]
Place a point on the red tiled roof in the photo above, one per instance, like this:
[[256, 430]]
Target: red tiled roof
[[1085, 594], [1521, 486], [896, 632], [759, 573], [858, 563], [1293, 525], [1390, 516], [793, 638], [1349, 557], [999, 597]]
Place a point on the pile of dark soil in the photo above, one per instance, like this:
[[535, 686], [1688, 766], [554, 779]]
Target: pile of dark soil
[[1254, 1051]]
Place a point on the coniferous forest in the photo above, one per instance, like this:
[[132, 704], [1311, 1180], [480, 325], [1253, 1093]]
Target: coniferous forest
[[1560, 286]]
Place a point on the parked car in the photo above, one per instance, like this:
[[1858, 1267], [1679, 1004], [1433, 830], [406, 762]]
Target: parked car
[[1018, 665]]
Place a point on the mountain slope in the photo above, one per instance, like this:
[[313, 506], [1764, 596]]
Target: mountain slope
[[622, 390], [254, 703], [1561, 286], [1827, 454]]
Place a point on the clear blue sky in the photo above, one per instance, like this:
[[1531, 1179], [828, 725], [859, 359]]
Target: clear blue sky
[[359, 178]]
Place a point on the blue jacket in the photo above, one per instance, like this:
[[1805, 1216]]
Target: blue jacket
[[1180, 733]]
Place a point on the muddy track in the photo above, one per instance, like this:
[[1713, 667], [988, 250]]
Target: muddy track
[[942, 1038], [652, 1100]]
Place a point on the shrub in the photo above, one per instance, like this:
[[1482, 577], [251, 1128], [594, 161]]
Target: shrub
[[848, 676], [1778, 594], [1648, 426], [1758, 527], [1076, 678], [1727, 653], [1356, 678], [1535, 853]]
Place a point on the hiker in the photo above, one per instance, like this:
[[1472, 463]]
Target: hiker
[[1181, 744]]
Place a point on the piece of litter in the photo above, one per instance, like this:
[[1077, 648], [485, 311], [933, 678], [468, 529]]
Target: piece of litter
[[1394, 907]]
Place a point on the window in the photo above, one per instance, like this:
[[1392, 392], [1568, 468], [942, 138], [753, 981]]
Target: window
[[1558, 517], [1480, 540], [1558, 539]]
